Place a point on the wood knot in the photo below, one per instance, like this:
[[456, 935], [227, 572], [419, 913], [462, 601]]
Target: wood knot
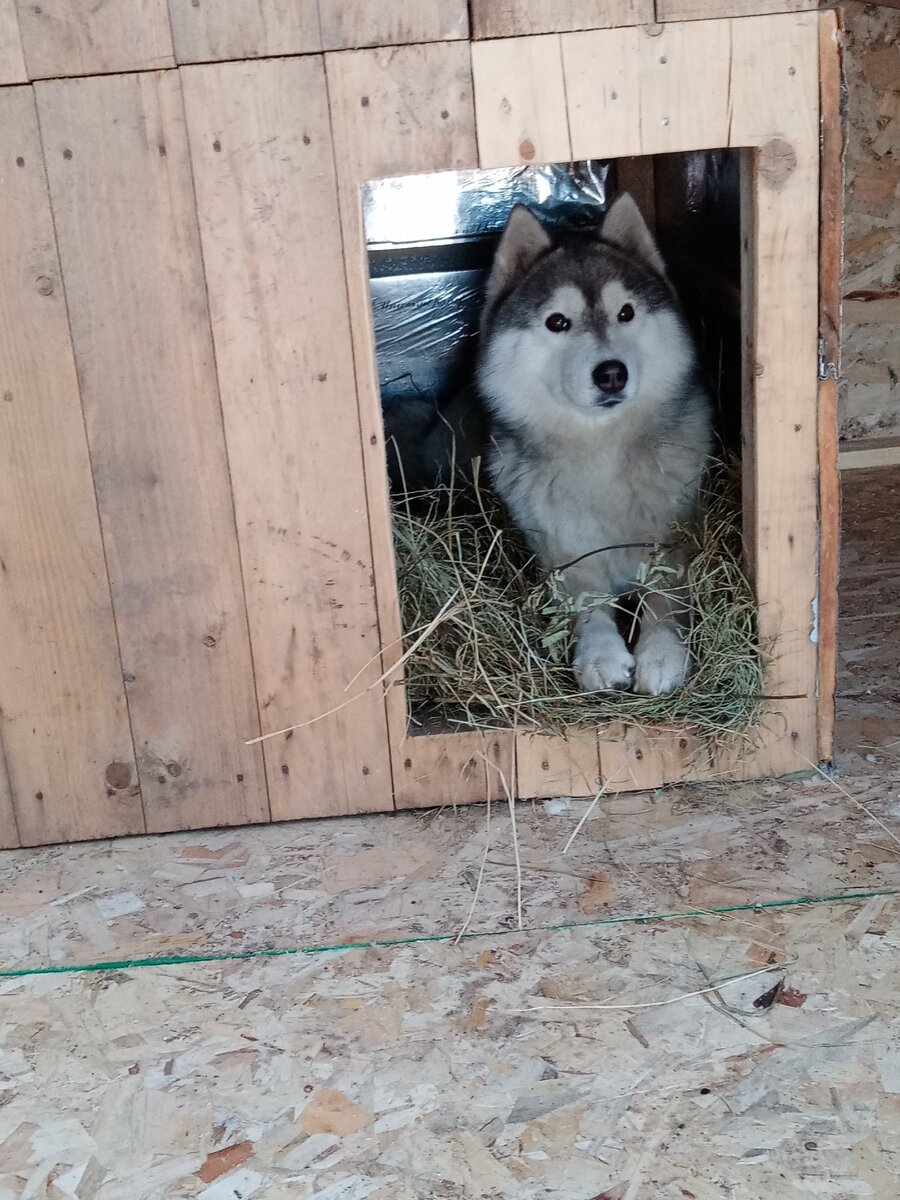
[[118, 775], [777, 162], [527, 150]]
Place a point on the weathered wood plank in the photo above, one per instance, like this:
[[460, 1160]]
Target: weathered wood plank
[[213, 30], [548, 765], [648, 91], [705, 10], [517, 18], [143, 347], [520, 101], [82, 37], [269, 222], [453, 768], [354, 24], [398, 112], [64, 724], [12, 60], [775, 104]]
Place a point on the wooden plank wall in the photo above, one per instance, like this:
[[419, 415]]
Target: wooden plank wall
[[187, 373]]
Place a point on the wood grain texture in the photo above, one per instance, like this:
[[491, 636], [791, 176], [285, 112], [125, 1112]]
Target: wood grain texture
[[433, 770], [354, 24], [548, 765], [82, 37], [830, 262], [269, 223], [516, 18], [12, 60], [635, 759], [775, 107], [704, 10], [520, 101], [652, 90], [396, 112], [212, 30], [140, 327], [64, 724], [603, 89]]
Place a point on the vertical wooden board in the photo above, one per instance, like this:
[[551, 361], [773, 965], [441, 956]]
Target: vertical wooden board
[[267, 206], [830, 261], [775, 107], [122, 196], [82, 37], [516, 18], [685, 72], [548, 765], [353, 24], [704, 10], [394, 112], [432, 770], [212, 30], [602, 82], [64, 724], [9, 829], [520, 101], [648, 91], [12, 60]]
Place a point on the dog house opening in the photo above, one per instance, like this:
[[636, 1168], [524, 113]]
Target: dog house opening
[[559, 358]]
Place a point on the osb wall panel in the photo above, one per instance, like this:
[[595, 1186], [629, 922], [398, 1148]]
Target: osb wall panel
[[870, 391]]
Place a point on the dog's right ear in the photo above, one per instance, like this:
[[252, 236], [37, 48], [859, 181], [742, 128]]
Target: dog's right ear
[[523, 242]]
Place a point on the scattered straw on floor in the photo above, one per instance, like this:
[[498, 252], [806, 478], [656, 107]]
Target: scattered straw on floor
[[499, 639]]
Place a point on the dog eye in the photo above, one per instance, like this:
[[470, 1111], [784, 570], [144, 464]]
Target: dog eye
[[557, 323], [626, 313]]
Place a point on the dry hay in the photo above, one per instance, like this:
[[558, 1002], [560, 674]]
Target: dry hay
[[490, 636]]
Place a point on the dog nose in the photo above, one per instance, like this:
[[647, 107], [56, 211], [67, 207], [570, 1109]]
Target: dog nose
[[610, 376]]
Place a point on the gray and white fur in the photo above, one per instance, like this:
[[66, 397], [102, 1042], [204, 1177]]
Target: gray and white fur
[[600, 425]]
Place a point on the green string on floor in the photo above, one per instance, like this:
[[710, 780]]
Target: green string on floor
[[382, 943]]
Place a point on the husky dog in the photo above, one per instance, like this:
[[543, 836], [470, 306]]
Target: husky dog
[[600, 425]]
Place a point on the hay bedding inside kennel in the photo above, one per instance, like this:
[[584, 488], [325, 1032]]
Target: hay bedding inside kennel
[[489, 639]]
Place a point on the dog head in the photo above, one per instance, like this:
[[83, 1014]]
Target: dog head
[[588, 326]]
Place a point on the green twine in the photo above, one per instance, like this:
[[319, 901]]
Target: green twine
[[386, 943]]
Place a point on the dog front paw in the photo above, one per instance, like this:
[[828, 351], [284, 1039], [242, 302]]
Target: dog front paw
[[603, 665], [662, 663]]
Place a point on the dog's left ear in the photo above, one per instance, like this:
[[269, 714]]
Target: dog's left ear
[[626, 228]]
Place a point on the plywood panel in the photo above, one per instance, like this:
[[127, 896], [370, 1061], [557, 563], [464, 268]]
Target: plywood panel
[[267, 206], [352, 24], [514, 18], [82, 37], [212, 30], [123, 200], [549, 765], [520, 101], [648, 91], [64, 724], [396, 112], [12, 60]]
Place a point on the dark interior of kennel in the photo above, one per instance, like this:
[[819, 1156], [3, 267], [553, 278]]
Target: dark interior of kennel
[[431, 240]]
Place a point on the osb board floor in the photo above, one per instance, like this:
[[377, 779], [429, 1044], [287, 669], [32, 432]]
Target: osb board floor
[[428, 1069]]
